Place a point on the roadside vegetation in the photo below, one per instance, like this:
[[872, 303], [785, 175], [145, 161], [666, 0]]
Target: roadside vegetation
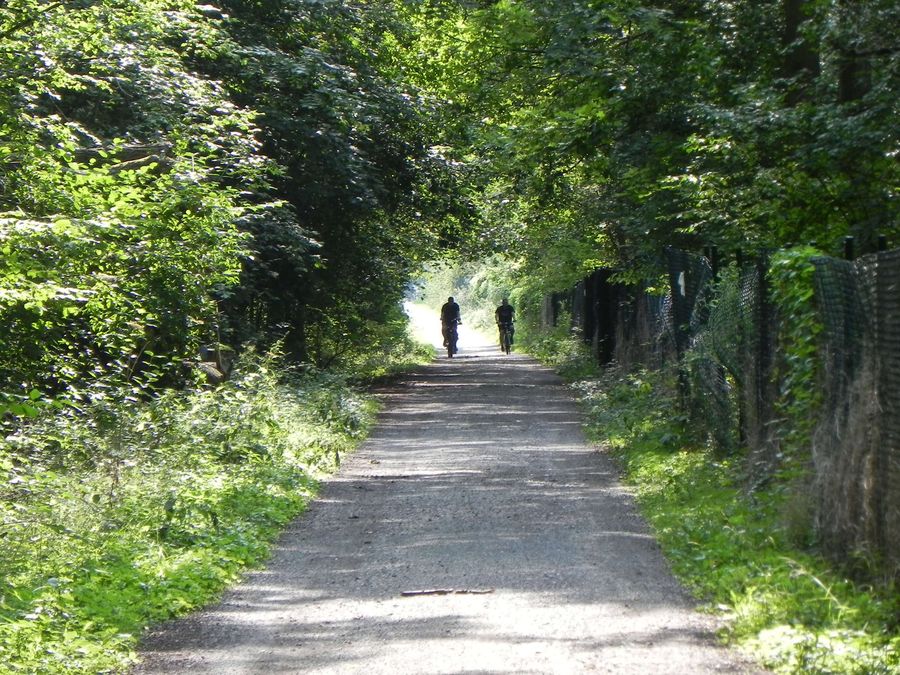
[[123, 513], [746, 555]]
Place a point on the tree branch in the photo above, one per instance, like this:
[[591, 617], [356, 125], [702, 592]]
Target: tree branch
[[24, 23]]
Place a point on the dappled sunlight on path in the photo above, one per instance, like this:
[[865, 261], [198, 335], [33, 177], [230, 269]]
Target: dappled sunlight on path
[[477, 479]]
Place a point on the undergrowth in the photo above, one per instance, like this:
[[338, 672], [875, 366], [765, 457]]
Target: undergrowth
[[792, 608], [399, 352], [118, 515], [556, 347]]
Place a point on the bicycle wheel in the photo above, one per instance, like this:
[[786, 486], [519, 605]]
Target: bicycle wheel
[[452, 338], [505, 339]]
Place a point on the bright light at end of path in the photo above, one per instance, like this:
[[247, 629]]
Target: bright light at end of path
[[425, 326]]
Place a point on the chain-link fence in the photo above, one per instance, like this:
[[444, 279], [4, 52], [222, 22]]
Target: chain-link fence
[[722, 330], [856, 448]]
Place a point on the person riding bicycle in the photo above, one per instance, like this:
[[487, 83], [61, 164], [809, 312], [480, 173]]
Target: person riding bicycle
[[504, 315], [450, 317]]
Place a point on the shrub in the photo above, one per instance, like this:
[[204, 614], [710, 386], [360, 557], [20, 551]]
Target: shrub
[[115, 516]]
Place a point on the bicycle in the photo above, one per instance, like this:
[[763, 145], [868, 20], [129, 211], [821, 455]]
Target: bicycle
[[506, 336], [451, 336]]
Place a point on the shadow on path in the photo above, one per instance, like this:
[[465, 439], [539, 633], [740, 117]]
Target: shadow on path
[[477, 478]]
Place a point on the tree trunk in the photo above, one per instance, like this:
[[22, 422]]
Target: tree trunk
[[295, 338], [854, 69], [801, 59], [854, 82]]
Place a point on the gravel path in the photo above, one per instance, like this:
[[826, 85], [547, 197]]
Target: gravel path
[[477, 480]]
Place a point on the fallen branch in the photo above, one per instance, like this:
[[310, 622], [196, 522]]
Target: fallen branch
[[448, 591], [125, 153]]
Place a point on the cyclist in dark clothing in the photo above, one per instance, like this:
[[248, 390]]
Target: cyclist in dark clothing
[[449, 318], [504, 316]]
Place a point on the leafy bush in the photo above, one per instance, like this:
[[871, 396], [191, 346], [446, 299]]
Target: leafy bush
[[562, 350], [800, 398], [117, 221], [377, 348], [119, 515]]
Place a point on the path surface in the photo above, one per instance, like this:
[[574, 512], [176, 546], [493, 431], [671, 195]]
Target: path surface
[[477, 478]]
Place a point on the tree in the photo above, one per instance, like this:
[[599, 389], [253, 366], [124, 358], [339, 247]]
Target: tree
[[356, 175], [117, 226], [603, 131]]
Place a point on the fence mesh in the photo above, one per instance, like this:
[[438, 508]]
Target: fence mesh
[[641, 336], [856, 448], [724, 334]]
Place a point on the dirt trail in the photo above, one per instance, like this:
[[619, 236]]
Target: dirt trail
[[477, 478]]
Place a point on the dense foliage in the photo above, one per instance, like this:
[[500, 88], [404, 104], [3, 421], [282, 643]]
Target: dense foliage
[[355, 168], [174, 176], [178, 175], [607, 130]]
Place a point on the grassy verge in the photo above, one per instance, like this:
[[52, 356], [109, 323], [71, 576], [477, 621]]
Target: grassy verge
[[733, 548], [793, 609], [122, 515]]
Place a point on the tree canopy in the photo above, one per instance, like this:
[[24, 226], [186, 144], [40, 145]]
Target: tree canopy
[[174, 175], [603, 131]]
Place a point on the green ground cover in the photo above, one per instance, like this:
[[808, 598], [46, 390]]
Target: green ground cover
[[734, 549], [125, 514]]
